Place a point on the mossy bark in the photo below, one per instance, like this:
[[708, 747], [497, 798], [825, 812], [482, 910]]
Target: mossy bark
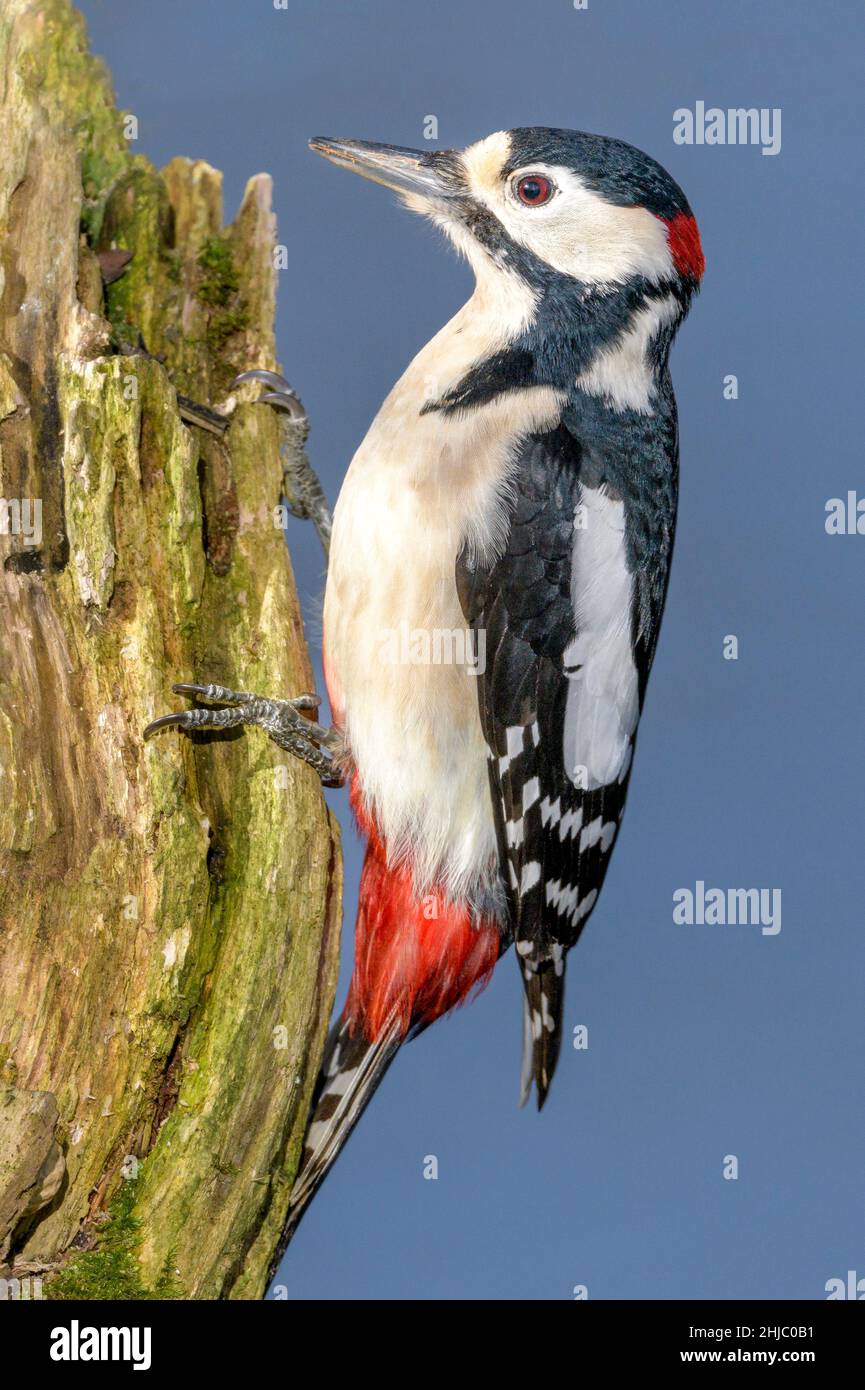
[[169, 911]]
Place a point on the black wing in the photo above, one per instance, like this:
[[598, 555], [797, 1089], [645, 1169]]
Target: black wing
[[564, 671]]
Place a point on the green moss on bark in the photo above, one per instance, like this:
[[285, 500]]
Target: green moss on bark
[[111, 1270]]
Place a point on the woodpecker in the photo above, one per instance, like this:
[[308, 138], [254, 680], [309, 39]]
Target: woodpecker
[[519, 483]]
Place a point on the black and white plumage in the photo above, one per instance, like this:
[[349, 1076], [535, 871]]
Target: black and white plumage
[[568, 649], [519, 480]]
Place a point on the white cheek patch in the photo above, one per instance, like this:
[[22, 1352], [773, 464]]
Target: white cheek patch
[[602, 706], [577, 232], [622, 373]]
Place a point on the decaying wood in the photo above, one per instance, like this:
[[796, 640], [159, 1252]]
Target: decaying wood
[[168, 911]]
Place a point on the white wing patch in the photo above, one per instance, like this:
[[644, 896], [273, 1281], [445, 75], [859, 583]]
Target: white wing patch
[[603, 694]]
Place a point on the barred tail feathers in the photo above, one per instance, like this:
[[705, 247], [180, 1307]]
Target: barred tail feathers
[[351, 1072], [544, 984]]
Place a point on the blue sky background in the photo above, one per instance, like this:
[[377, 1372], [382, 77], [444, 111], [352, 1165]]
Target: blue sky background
[[703, 1041]]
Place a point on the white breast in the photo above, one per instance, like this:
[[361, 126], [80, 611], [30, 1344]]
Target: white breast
[[418, 487]]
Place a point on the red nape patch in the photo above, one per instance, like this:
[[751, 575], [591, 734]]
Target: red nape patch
[[413, 958], [683, 237]]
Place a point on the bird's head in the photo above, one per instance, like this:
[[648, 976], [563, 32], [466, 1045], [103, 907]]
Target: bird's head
[[545, 205]]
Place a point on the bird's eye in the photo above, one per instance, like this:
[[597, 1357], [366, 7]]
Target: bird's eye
[[534, 189]]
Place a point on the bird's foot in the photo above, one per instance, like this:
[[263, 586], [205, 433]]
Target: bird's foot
[[282, 720], [303, 492]]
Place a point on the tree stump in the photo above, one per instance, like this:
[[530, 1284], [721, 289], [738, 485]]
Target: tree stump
[[169, 911]]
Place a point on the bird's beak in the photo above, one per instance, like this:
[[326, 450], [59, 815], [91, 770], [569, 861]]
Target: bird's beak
[[409, 172]]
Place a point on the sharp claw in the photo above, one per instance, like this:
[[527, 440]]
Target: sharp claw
[[306, 701], [165, 721], [283, 395], [279, 398], [268, 378], [290, 404], [202, 692]]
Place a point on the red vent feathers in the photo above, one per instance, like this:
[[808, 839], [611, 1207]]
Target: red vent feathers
[[417, 958]]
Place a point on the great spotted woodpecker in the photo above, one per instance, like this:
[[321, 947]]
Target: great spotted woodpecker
[[520, 483]]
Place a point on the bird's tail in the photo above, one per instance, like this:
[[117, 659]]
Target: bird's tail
[[415, 960], [351, 1070], [544, 984]]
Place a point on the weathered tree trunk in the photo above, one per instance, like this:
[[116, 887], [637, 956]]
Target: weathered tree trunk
[[168, 911]]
